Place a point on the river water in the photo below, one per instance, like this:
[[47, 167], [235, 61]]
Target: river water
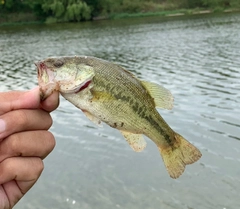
[[195, 57]]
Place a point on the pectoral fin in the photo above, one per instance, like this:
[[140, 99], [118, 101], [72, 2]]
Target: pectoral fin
[[136, 141], [91, 117], [162, 97]]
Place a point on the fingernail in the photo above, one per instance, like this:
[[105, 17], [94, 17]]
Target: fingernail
[[2, 125]]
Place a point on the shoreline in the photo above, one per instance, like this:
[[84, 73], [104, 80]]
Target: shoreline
[[169, 13]]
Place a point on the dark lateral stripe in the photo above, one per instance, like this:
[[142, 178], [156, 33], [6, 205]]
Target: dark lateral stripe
[[138, 108]]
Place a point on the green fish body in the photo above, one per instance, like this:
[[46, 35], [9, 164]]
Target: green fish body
[[108, 93]]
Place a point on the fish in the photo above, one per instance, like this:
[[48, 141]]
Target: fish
[[107, 92]]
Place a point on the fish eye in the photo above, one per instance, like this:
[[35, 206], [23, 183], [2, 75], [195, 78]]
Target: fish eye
[[58, 63]]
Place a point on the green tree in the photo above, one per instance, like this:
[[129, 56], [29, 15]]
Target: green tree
[[78, 10], [67, 10]]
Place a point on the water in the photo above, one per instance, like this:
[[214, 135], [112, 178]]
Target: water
[[196, 58]]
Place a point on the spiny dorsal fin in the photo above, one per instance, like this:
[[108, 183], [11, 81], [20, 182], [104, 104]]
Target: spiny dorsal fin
[[162, 97]]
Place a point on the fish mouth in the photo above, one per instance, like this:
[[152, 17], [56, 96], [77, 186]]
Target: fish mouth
[[40, 66], [45, 80], [45, 75]]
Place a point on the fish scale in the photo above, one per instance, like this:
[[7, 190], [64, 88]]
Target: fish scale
[[135, 96], [108, 93]]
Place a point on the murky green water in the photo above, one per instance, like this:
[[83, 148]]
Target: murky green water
[[197, 58]]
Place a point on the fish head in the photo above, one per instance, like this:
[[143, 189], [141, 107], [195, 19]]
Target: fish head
[[64, 74]]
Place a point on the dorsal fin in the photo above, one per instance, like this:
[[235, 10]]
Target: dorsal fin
[[162, 97]]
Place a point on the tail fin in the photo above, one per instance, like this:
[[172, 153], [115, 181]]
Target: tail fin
[[179, 155]]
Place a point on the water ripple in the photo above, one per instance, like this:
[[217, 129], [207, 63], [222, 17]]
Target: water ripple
[[196, 59]]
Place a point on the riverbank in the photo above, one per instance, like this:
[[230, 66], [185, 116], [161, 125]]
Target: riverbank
[[170, 13], [18, 18], [196, 57], [29, 18]]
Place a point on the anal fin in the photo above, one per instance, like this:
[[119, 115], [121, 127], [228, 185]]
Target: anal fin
[[136, 141]]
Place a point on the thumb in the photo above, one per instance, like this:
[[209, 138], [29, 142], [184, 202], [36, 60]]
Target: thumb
[[14, 100]]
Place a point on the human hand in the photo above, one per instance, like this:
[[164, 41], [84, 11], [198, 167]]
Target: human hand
[[24, 141]]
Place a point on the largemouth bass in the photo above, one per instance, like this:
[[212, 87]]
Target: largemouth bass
[[108, 93]]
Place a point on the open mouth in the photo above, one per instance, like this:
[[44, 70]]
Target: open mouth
[[40, 68], [45, 75], [47, 79]]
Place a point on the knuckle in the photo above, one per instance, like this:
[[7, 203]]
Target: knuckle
[[50, 122], [47, 120], [51, 141], [39, 166]]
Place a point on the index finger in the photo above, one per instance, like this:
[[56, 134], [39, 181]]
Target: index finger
[[14, 100]]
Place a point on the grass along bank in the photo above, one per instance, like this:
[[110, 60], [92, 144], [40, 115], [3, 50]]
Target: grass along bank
[[18, 18], [169, 13]]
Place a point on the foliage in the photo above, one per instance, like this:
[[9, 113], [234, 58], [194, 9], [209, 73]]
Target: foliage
[[67, 10], [79, 10]]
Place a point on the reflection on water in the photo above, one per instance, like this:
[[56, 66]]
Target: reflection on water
[[93, 167]]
